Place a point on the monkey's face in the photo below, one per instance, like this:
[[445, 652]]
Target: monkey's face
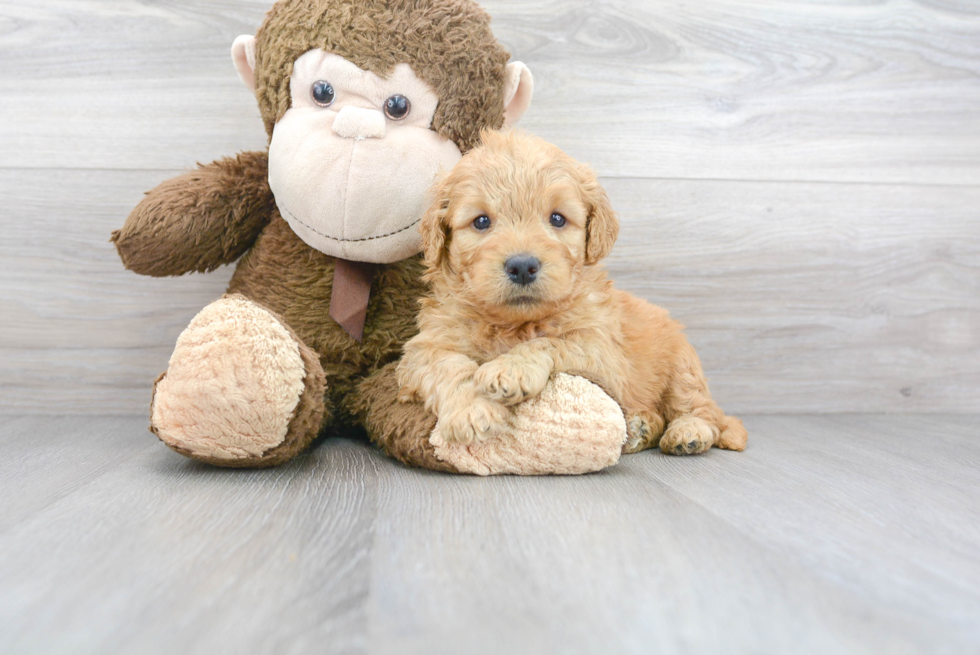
[[352, 159]]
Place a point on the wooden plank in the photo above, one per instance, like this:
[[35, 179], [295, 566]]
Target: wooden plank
[[163, 555], [849, 534], [833, 91], [613, 563], [151, 85], [45, 460], [866, 502], [814, 297], [758, 89], [82, 334], [622, 562], [800, 297]]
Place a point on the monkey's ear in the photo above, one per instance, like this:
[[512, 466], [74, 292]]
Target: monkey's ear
[[243, 56], [602, 227], [518, 89]]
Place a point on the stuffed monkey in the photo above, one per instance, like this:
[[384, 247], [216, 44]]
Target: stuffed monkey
[[364, 102]]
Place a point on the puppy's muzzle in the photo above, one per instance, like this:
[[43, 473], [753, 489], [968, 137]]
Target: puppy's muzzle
[[522, 269]]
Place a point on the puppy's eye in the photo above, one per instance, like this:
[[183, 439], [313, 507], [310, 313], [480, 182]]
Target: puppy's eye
[[557, 220], [323, 93], [397, 107], [481, 222]]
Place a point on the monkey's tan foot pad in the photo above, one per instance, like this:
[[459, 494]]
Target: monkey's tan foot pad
[[572, 427], [233, 385]]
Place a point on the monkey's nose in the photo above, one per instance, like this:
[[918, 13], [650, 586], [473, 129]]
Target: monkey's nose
[[358, 123], [522, 269]]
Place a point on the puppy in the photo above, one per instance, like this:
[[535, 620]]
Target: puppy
[[512, 243]]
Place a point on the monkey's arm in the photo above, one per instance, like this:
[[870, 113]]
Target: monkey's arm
[[200, 220]]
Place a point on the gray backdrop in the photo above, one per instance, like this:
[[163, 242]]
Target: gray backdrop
[[798, 184]]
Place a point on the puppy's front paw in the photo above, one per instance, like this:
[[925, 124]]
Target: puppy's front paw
[[688, 435], [510, 380], [475, 420]]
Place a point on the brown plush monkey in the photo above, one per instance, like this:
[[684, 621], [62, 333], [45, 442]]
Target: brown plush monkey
[[364, 101]]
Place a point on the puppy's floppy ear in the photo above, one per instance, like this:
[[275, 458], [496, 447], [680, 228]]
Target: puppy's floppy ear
[[602, 226], [433, 226]]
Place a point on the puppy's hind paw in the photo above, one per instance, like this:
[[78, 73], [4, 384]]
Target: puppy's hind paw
[[644, 431], [509, 380], [688, 435]]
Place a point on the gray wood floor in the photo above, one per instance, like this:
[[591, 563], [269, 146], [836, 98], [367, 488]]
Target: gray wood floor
[[830, 534]]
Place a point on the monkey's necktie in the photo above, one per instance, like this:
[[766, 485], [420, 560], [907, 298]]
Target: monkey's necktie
[[350, 295]]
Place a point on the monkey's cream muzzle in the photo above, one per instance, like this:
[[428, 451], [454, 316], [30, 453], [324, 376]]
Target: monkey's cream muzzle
[[357, 123], [351, 182]]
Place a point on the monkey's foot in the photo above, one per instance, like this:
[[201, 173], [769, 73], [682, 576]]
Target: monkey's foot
[[241, 390], [571, 427]]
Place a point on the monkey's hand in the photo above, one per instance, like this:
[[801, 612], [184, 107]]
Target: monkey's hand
[[571, 427], [512, 378], [200, 220]]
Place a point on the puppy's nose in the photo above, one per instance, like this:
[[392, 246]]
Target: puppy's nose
[[522, 269]]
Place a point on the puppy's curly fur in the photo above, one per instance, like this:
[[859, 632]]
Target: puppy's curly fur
[[512, 242]]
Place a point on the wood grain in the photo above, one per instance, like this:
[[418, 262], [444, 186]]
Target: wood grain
[[757, 90], [103, 84], [802, 297], [848, 534], [850, 486], [814, 297], [835, 91], [162, 555], [798, 182], [43, 463]]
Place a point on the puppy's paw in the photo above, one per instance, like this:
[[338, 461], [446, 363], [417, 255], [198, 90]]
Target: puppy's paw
[[405, 396], [643, 431], [476, 420], [407, 392], [688, 435], [510, 380]]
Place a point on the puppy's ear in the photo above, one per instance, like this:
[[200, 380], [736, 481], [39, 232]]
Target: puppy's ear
[[602, 226], [434, 227]]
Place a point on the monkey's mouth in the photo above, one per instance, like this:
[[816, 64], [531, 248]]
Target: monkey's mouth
[[291, 217], [335, 203]]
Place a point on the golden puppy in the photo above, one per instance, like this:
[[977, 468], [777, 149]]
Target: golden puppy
[[512, 243]]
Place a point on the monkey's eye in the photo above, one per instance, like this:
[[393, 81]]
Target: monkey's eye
[[397, 107], [481, 222], [323, 93], [557, 220]]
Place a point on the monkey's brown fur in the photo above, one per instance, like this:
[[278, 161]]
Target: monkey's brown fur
[[488, 343], [448, 43], [212, 216]]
